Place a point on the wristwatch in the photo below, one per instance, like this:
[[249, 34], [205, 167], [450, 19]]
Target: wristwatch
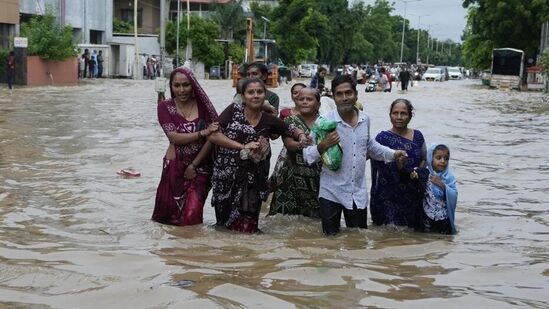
[[245, 154]]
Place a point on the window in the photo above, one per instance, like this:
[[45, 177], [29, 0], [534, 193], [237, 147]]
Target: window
[[127, 15], [6, 32], [96, 37]]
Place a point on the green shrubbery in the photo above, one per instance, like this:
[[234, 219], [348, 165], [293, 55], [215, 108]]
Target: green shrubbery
[[121, 26], [3, 55], [48, 39]]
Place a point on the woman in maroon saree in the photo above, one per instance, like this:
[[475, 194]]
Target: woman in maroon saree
[[241, 164], [187, 119]]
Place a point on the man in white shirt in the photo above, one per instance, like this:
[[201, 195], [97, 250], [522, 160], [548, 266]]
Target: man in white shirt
[[344, 190]]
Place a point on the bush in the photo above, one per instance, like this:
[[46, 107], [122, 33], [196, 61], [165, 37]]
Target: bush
[[544, 61], [48, 39], [3, 56], [121, 26]]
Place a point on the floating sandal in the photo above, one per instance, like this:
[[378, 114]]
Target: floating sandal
[[129, 172]]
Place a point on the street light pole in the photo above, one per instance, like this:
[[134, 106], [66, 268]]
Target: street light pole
[[189, 49], [177, 36], [137, 60], [404, 26], [418, 32], [428, 43], [417, 48]]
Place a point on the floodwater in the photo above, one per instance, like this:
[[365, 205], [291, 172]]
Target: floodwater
[[75, 235]]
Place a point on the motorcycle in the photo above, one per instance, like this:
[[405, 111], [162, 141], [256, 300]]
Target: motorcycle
[[372, 85]]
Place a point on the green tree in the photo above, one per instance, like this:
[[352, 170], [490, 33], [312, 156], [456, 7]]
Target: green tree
[[378, 30], [237, 52], [203, 34], [3, 56], [48, 39], [494, 24], [260, 24], [230, 18], [121, 26], [296, 25]]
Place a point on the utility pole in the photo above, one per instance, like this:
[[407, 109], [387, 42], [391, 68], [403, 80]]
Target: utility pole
[[177, 31], [162, 35], [136, 68], [428, 43], [189, 49], [404, 26], [418, 31]]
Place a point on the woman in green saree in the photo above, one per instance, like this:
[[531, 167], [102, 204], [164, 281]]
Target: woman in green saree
[[297, 185]]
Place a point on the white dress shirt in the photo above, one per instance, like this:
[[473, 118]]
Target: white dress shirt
[[348, 183]]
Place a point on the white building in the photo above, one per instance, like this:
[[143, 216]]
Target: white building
[[91, 19]]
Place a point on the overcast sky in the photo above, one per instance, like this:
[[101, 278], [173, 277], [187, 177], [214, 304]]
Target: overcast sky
[[446, 17]]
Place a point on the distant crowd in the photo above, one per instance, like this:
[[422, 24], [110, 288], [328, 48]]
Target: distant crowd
[[90, 65]]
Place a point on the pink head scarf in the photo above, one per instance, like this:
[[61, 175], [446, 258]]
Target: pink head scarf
[[206, 110]]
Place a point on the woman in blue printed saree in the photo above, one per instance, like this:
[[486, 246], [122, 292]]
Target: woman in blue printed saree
[[394, 197]]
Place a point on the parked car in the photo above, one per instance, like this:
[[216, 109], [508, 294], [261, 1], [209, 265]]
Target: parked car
[[434, 74], [455, 73], [307, 70], [444, 72]]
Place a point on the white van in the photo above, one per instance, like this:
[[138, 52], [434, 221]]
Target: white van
[[307, 70]]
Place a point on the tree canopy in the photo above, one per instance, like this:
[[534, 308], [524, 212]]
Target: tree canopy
[[322, 31], [496, 24], [332, 32], [203, 34]]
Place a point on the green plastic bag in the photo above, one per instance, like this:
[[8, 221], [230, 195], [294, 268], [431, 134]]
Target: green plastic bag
[[332, 157]]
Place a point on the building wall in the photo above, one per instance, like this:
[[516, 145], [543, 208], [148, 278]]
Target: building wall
[[9, 19], [9, 11], [83, 15], [149, 12], [37, 6]]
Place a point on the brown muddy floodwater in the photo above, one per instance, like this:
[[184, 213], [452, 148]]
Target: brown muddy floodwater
[[75, 235]]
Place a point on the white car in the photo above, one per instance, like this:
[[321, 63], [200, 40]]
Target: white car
[[433, 74], [307, 70], [455, 73]]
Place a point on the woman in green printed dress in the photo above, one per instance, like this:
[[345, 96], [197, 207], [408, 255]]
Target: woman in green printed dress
[[296, 191]]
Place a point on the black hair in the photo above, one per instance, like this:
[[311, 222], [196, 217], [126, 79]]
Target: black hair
[[297, 84], [442, 147], [172, 76], [262, 68], [342, 79], [250, 81], [406, 102], [322, 69], [239, 85]]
